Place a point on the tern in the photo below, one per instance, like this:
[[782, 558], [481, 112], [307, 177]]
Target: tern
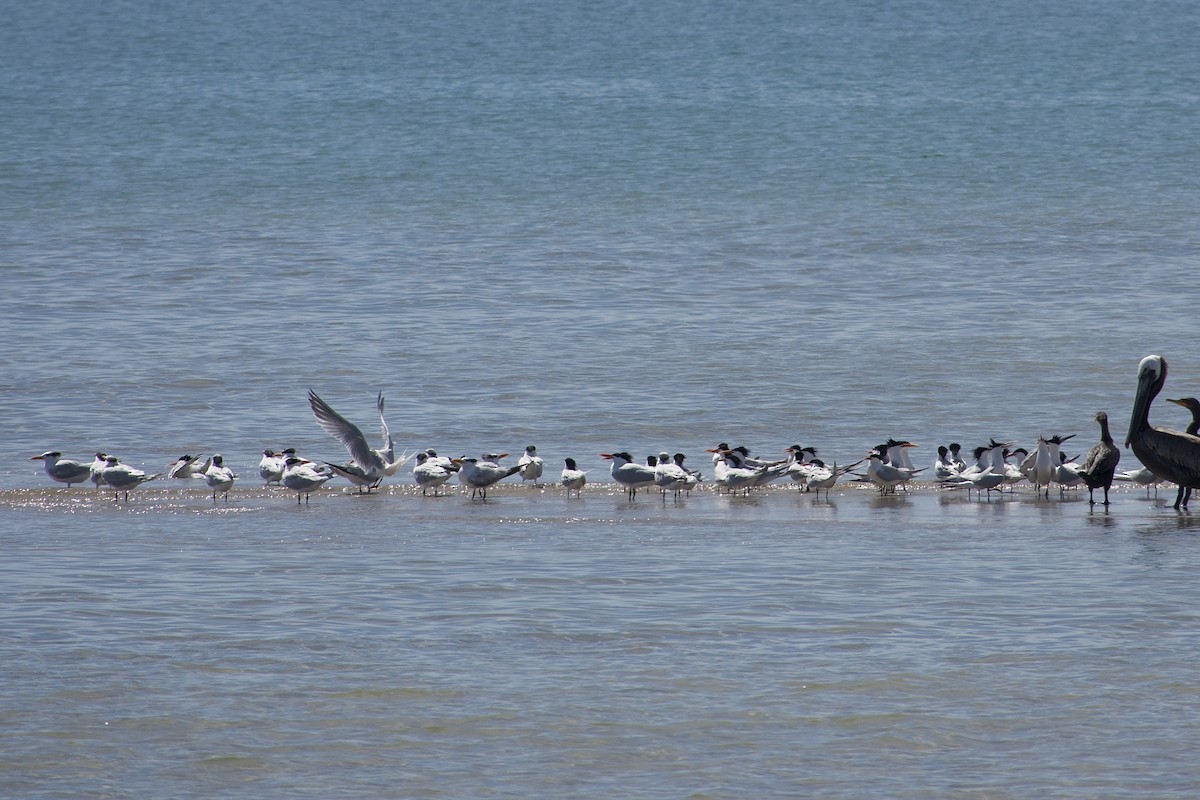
[[573, 478], [63, 470], [186, 467], [97, 467], [302, 477], [432, 471], [1101, 462], [629, 474], [123, 478], [479, 475], [372, 465], [271, 467], [219, 477], [669, 476], [531, 465], [1171, 454]]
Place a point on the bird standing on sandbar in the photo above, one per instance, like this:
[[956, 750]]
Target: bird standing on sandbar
[[1172, 455], [1100, 465]]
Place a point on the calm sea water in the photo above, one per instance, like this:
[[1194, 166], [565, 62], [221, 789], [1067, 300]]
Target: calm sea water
[[618, 226]]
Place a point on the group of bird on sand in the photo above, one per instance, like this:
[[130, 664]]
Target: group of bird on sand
[[1166, 455]]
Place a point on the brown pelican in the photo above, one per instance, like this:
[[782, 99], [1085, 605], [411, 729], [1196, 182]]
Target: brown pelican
[[1172, 455], [1191, 404], [1101, 462]]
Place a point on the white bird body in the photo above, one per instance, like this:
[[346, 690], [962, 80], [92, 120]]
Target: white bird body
[[271, 467], [669, 476], [731, 473], [219, 477], [303, 477], [531, 465], [62, 469], [631, 475], [97, 469], [572, 477], [432, 472]]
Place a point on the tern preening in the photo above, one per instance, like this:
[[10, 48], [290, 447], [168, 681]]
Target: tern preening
[[531, 465], [1170, 454], [63, 470], [186, 467], [369, 466]]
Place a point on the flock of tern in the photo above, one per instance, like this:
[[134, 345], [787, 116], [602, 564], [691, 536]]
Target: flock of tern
[[1167, 455]]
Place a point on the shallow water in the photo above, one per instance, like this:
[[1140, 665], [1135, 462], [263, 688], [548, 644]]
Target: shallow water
[[910, 646], [612, 227]]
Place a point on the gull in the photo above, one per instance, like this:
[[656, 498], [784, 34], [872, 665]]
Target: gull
[[630, 475], [370, 466], [123, 478], [219, 477], [573, 478], [432, 471], [63, 470], [479, 475], [531, 465], [302, 477], [1173, 455], [271, 467], [185, 467]]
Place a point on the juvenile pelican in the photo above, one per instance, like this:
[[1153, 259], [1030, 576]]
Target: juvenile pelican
[[1191, 404], [1170, 454]]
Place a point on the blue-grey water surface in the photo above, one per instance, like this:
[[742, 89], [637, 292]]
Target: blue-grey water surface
[[593, 227]]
